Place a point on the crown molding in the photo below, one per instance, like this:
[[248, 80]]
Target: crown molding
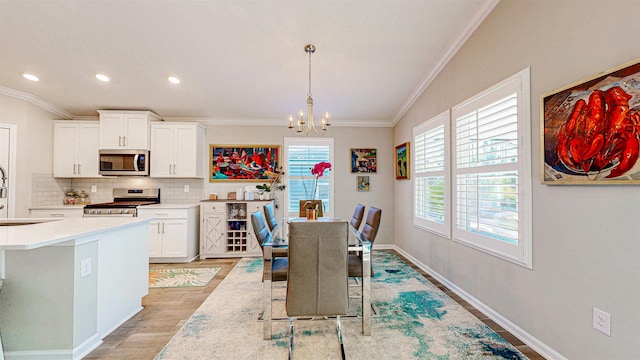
[[37, 102], [270, 122], [464, 35]]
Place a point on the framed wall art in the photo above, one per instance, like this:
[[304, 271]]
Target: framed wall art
[[590, 130], [363, 161], [362, 182], [402, 161], [243, 162]]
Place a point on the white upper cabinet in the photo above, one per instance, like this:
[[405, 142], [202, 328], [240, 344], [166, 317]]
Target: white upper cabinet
[[75, 149], [176, 150], [125, 129]]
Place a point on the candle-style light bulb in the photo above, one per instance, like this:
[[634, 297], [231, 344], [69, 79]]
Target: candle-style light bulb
[[290, 121]]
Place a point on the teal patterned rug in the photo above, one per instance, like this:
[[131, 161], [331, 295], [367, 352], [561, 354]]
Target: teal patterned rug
[[417, 321]]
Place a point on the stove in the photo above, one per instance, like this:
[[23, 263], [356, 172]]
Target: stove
[[125, 203]]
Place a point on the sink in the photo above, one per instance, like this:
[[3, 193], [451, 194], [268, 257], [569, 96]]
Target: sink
[[19, 222]]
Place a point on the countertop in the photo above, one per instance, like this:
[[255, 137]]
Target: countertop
[[56, 207], [52, 232], [71, 207], [168, 206]]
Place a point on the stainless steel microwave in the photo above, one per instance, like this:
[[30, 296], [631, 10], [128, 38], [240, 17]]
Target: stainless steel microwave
[[124, 162]]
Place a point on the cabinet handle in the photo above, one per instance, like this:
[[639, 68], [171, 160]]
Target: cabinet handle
[[74, 168], [161, 214], [174, 169], [163, 228], [169, 168], [124, 140], [56, 215], [119, 140], [158, 231], [79, 171]]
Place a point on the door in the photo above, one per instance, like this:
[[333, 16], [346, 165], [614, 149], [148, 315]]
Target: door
[[161, 151], [8, 135], [136, 134], [155, 238], [185, 147], [174, 238], [87, 151]]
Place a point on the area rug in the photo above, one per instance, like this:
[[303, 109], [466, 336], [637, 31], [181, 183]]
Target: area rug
[[184, 277], [417, 321]]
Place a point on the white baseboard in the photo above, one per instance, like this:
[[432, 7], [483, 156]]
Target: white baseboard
[[535, 344], [77, 353]]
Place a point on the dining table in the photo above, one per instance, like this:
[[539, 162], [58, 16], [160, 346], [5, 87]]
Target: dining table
[[357, 244]]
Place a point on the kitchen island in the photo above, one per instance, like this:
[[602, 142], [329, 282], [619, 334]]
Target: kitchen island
[[68, 283]]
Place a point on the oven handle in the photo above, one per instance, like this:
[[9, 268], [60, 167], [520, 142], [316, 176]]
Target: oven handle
[[108, 215]]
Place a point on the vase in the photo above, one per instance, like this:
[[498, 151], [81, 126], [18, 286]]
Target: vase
[[312, 214]]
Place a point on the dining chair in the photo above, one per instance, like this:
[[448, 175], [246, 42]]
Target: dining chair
[[356, 219], [270, 216], [303, 210], [263, 234], [317, 276], [274, 268], [368, 233]]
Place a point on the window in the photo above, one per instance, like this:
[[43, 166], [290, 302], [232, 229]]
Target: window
[[492, 176], [431, 175], [300, 155]]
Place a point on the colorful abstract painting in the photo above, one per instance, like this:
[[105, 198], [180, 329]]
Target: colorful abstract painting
[[243, 162]]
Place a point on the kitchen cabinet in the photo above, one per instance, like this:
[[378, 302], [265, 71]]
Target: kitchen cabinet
[[62, 211], [176, 150], [75, 149], [226, 229], [173, 234], [125, 129]]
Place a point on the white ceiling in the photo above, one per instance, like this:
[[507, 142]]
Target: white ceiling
[[239, 61]]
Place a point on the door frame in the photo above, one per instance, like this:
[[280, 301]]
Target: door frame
[[11, 193]]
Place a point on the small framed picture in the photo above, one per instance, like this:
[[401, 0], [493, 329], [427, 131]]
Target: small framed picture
[[364, 161], [363, 183], [402, 161]]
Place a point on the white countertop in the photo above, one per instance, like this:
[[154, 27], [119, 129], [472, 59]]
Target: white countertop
[[57, 207], [26, 237]]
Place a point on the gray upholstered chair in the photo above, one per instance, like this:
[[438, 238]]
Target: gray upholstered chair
[[356, 219], [315, 203], [317, 278], [263, 234], [368, 233]]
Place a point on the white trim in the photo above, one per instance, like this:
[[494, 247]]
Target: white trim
[[531, 341], [446, 56], [36, 101], [77, 353], [11, 193], [277, 122]]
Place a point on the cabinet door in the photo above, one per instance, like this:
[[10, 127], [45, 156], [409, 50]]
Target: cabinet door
[[111, 131], [185, 150], [213, 238], [155, 238], [162, 146], [136, 131], [88, 136], [64, 150], [174, 238]]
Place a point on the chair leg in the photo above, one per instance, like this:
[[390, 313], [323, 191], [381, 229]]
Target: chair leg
[[290, 339], [339, 329], [266, 310]]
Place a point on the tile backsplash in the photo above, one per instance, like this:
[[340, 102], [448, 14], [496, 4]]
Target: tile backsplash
[[48, 190]]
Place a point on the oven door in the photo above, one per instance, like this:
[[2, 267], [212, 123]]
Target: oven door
[[124, 162]]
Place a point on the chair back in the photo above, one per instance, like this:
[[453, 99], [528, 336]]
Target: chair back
[[314, 204], [371, 225], [259, 227], [356, 219], [270, 216], [317, 275]]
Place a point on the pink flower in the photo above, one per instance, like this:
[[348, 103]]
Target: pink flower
[[319, 168]]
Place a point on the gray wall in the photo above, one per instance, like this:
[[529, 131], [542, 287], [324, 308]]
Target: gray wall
[[586, 239], [345, 138]]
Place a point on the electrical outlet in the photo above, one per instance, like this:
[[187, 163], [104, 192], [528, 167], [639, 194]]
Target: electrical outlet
[[85, 267], [94, 188], [602, 321], [186, 188]]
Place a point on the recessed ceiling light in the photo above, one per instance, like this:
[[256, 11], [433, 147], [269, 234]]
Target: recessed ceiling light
[[102, 77], [30, 77], [174, 80]]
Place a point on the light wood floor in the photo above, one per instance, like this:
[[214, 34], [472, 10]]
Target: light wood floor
[[167, 309]]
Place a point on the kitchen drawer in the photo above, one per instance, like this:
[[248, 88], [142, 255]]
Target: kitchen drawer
[[162, 213], [57, 213], [213, 207]]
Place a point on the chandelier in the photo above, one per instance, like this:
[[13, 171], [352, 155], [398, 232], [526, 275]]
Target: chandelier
[[302, 127]]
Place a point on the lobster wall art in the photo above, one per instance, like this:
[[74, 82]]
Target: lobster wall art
[[591, 131]]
